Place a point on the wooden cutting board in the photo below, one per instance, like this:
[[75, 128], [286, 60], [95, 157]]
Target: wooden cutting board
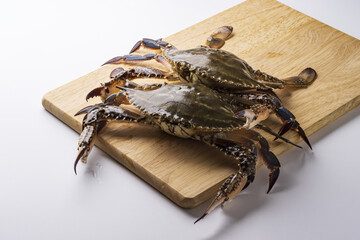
[[269, 36]]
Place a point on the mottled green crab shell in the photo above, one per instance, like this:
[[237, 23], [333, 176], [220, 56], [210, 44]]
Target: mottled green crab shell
[[185, 104], [217, 69]]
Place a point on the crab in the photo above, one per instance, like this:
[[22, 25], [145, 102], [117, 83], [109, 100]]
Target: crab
[[212, 96], [249, 92], [191, 111]]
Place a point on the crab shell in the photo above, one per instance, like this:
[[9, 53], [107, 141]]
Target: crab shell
[[184, 109], [214, 68]]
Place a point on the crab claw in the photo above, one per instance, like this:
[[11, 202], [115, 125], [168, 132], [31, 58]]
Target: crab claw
[[232, 186], [96, 92], [255, 115]]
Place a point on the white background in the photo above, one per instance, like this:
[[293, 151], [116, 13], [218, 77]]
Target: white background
[[45, 44]]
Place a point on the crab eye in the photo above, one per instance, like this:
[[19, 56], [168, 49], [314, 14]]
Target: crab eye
[[107, 90]]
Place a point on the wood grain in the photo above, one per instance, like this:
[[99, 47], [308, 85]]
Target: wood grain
[[269, 36]]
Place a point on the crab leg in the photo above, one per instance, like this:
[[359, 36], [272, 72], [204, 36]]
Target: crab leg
[[268, 80], [137, 58], [254, 115], [151, 44], [121, 76], [268, 130], [243, 145], [289, 122], [269, 158], [94, 120], [273, 164], [217, 38], [230, 188], [304, 79]]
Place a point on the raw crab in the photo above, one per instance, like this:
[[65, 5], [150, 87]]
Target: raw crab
[[249, 92], [217, 98], [189, 111]]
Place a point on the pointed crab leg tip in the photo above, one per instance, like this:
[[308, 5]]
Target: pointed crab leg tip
[[135, 47], [106, 63], [84, 110], [75, 164], [306, 141], [113, 60], [269, 189], [304, 137], [200, 218], [272, 179], [79, 156]]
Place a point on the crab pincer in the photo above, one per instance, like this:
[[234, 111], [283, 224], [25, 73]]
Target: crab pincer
[[119, 76]]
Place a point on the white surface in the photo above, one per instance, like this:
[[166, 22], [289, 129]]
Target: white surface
[[47, 44]]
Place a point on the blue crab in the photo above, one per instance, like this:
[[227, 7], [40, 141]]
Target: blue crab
[[215, 97], [190, 111]]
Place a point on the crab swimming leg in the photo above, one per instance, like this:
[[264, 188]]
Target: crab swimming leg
[[95, 119], [304, 79], [244, 146], [119, 77], [217, 38]]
